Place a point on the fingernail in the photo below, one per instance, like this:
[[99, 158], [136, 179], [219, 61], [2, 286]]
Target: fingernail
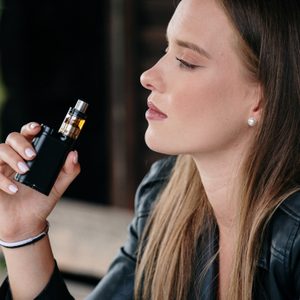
[[75, 157], [13, 188], [29, 152], [33, 125], [22, 167]]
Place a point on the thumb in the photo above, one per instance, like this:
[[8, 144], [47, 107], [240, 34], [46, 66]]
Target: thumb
[[68, 173]]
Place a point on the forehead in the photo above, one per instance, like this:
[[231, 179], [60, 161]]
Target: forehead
[[202, 22]]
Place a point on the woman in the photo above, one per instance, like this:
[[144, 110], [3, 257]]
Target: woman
[[220, 221]]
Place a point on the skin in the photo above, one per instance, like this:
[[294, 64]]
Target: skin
[[208, 107], [24, 213], [207, 100]]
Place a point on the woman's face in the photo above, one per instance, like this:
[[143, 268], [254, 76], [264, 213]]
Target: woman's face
[[200, 85]]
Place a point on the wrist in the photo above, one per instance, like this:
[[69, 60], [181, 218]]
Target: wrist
[[28, 241], [23, 232]]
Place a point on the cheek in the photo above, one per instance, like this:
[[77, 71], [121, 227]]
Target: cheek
[[203, 115], [208, 117], [199, 103], [218, 98], [189, 116]]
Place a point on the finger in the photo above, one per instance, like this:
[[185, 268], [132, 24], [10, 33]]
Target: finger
[[6, 170], [7, 185], [10, 157], [68, 173], [21, 145], [30, 130]]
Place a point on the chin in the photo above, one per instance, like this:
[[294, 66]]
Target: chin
[[157, 145]]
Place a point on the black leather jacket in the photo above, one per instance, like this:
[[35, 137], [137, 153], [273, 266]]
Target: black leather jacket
[[278, 269]]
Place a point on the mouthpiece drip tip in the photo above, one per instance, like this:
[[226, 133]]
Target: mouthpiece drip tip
[[81, 106]]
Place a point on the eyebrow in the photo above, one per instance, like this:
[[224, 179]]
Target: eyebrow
[[193, 47]]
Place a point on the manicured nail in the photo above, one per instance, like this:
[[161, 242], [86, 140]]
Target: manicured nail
[[29, 152], [22, 167], [75, 157], [13, 188], [33, 125]]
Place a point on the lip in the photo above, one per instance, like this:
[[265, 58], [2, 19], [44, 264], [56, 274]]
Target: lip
[[153, 113]]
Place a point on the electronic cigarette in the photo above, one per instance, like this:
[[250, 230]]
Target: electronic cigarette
[[52, 148]]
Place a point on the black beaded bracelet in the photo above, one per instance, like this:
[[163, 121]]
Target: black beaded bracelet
[[26, 242]]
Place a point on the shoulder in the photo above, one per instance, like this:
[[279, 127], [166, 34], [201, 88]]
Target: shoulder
[[285, 224], [284, 228], [281, 244], [288, 226], [286, 219], [152, 184], [291, 207]]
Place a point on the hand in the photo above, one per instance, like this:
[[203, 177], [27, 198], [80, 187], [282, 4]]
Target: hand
[[23, 211]]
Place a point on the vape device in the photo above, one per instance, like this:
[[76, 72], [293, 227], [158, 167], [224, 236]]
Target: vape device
[[52, 148]]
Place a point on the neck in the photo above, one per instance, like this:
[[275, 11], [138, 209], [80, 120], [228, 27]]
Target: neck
[[220, 176]]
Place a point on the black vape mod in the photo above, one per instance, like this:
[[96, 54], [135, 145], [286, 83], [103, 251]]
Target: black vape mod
[[52, 148]]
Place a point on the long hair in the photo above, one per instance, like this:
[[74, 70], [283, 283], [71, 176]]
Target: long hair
[[269, 46]]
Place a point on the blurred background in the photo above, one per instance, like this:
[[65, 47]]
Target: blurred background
[[55, 52]]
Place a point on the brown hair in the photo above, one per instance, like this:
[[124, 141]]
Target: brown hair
[[269, 43]]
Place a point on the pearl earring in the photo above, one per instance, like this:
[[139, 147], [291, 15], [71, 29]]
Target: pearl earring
[[252, 121]]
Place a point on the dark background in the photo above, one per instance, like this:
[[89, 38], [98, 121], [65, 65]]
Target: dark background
[[55, 52]]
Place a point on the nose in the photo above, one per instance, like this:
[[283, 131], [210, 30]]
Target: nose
[[152, 80]]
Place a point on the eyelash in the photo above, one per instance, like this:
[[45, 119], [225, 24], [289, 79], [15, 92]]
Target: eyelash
[[186, 65], [182, 63]]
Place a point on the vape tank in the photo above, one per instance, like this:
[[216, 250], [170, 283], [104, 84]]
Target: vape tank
[[52, 148]]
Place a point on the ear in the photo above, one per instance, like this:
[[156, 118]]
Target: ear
[[257, 102]]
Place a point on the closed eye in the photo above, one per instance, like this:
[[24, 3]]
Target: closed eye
[[186, 65]]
